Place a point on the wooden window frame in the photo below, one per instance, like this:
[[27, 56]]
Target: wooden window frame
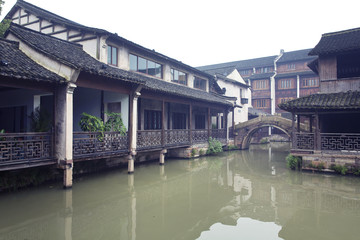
[[172, 72], [307, 80], [261, 84], [197, 83], [283, 85], [263, 102], [110, 52], [147, 66]]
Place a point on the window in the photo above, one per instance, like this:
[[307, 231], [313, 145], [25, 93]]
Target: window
[[244, 72], [261, 84], [310, 82], [178, 76], [264, 70], [200, 83], [259, 103], [199, 121], [291, 66], [282, 100], [179, 120], [285, 84], [112, 55], [152, 119], [145, 66]]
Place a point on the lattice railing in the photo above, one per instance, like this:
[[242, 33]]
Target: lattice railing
[[21, 148], [95, 144], [218, 134], [340, 141], [148, 139], [304, 141], [200, 135], [177, 137]]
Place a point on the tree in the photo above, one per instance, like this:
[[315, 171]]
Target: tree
[[5, 23]]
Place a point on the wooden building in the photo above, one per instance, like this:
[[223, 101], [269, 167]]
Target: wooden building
[[334, 113], [274, 79], [166, 105]]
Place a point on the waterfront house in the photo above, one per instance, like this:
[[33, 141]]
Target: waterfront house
[[334, 113], [166, 106]]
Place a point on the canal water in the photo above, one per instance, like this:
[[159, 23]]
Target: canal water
[[235, 195]]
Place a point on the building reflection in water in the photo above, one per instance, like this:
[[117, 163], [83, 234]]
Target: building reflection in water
[[203, 198]]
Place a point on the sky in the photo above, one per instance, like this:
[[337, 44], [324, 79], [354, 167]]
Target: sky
[[203, 32]]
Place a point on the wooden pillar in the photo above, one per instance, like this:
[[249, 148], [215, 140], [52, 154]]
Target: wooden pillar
[[190, 123], [133, 108], [294, 142], [298, 123], [233, 122], [63, 148], [311, 123], [163, 123], [317, 136], [209, 123], [226, 125]]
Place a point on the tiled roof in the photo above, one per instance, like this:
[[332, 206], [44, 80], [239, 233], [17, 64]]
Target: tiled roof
[[324, 101], [44, 14], [261, 76], [243, 64], [74, 56], [69, 54], [15, 64], [299, 55], [294, 74], [224, 78], [183, 91], [223, 71], [51, 17], [338, 42]]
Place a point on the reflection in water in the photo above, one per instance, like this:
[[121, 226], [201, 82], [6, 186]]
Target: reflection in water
[[236, 195]]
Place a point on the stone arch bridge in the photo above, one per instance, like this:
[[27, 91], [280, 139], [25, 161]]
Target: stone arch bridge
[[244, 131]]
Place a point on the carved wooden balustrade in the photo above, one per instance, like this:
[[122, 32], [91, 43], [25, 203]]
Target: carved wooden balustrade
[[219, 134], [148, 139], [25, 148], [303, 141], [340, 141], [200, 135], [329, 141], [177, 137], [97, 144]]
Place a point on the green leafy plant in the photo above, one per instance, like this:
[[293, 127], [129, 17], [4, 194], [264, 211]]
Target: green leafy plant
[[264, 140], [341, 169], [90, 123], [115, 123], [232, 147], [293, 162], [214, 146], [40, 120], [202, 152], [193, 152]]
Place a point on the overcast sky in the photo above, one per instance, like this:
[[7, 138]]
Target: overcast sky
[[202, 32]]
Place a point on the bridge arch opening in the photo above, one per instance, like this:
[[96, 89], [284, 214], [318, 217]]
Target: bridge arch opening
[[247, 138]]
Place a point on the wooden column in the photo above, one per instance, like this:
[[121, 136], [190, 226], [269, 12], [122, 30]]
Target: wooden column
[[298, 122], [63, 147], [233, 122], [226, 125], [317, 136], [209, 123], [294, 143], [163, 123], [311, 123], [190, 123]]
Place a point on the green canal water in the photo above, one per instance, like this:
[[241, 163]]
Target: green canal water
[[236, 195]]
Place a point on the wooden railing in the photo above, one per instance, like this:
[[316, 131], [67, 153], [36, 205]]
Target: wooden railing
[[218, 134], [200, 135], [148, 139], [25, 148], [340, 141], [97, 144], [329, 141], [177, 137], [304, 141]]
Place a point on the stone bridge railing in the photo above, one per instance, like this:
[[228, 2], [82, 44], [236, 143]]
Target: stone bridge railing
[[245, 130]]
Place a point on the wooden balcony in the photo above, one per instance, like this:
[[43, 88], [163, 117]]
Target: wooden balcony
[[21, 150]]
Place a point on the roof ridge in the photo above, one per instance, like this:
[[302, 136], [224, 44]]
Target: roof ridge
[[341, 32]]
